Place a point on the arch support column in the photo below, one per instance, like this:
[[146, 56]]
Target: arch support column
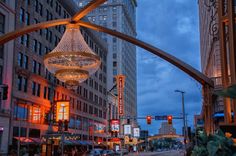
[[208, 109]]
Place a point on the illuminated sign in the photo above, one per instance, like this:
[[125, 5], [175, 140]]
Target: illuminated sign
[[115, 125], [99, 128], [136, 132], [62, 110], [120, 80], [127, 129]]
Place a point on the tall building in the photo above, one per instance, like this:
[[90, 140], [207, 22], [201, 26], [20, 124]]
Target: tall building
[[218, 56], [33, 89], [7, 24], [166, 129], [119, 15]]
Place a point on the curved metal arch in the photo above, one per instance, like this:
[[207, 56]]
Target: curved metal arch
[[84, 11], [14, 34], [80, 14], [197, 75]]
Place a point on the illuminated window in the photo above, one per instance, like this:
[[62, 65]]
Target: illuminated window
[[35, 114]]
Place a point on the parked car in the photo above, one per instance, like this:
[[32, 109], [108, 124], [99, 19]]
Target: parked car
[[108, 153], [95, 152], [122, 151]]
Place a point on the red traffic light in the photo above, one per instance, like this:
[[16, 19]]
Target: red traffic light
[[149, 119], [169, 118]]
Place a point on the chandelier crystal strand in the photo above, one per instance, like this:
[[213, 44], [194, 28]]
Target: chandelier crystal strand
[[72, 61]]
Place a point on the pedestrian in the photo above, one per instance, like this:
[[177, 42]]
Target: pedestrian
[[73, 152]]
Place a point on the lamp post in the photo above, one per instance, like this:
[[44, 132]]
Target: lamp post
[[184, 118], [63, 125]]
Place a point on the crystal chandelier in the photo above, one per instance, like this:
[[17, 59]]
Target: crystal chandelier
[[72, 61]]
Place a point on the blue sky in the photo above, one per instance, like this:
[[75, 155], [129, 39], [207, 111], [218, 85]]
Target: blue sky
[[171, 25]]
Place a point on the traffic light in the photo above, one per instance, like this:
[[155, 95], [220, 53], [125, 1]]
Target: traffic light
[[4, 92], [169, 118], [66, 125], [149, 119]]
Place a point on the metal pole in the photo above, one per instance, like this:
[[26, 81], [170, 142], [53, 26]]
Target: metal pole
[[18, 142], [92, 134], [62, 138], [184, 119], [183, 110]]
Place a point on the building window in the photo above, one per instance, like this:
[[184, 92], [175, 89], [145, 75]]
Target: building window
[[114, 55], [25, 64], [36, 5], [27, 18], [20, 59], [40, 9], [35, 114], [25, 82], [19, 82], [1, 74], [39, 68], [45, 93], [1, 51], [49, 93], [22, 15], [34, 68], [39, 48], [25, 40], [38, 90], [2, 23], [20, 111], [35, 45], [34, 88], [90, 109]]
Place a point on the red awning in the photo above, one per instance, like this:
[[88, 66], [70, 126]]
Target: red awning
[[28, 140]]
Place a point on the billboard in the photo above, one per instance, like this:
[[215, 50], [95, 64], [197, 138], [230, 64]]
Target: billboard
[[136, 132], [115, 125], [62, 110], [120, 81], [127, 129]]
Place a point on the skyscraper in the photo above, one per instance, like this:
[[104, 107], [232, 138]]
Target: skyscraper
[[218, 38], [166, 129], [119, 15]]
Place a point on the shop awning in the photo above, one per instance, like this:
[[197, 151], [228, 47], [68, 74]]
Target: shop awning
[[229, 92], [218, 115], [28, 140]]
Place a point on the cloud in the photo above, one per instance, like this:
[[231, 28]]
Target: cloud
[[184, 25], [173, 27]]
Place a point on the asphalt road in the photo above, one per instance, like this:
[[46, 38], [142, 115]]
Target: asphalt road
[[164, 153]]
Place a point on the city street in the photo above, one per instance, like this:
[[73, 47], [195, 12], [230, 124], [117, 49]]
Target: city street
[[164, 153]]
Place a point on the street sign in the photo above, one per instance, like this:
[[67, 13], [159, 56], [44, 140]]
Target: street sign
[[127, 129], [162, 117]]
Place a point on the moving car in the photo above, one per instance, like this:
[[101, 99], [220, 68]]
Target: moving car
[[108, 153], [95, 152], [122, 151]]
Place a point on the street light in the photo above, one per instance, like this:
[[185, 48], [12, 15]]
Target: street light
[[184, 119]]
